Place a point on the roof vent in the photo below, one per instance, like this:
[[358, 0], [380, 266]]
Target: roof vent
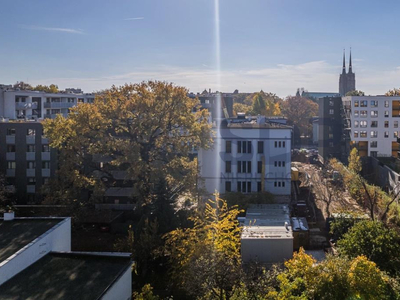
[[9, 216]]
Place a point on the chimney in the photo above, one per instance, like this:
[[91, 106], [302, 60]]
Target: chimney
[[9, 216]]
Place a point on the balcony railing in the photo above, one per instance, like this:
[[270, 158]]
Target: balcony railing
[[59, 104], [26, 105]]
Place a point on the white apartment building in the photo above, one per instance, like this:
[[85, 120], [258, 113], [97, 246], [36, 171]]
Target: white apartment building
[[249, 155], [374, 124], [24, 104]]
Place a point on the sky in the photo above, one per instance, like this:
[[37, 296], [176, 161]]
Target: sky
[[273, 45]]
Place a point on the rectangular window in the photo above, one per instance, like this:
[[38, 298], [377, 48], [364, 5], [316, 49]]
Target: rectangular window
[[386, 124], [283, 144], [374, 103], [259, 167], [248, 147], [239, 166], [228, 146], [386, 103], [280, 144], [249, 186], [283, 184], [249, 167], [276, 144], [374, 123], [356, 113], [330, 136], [10, 148], [356, 134], [239, 147], [356, 123], [31, 164], [364, 103], [244, 147], [11, 165], [31, 132], [259, 186], [356, 103], [396, 124], [363, 124], [374, 134], [331, 103], [331, 111], [374, 113], [30, 148], [31, 180], [239, 186], [275, 183], [275, 163], [228, 187], [363, 113], [374, 144], [45, 148], [243, 186], [283, 163], [244, 167], [363, 133], [395, 134], [228, 166], [45, 180], [386, 114], [386, 134], [260, 147], [279, 163], [10, 131], [45, 165]]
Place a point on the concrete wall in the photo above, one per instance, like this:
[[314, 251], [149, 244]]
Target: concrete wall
[[58, 238], [266, 250], [212, 162], [121, 289]]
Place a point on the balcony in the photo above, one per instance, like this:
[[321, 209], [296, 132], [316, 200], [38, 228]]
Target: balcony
[[59, 104], [10, 173], [53, 116], [30, 172], [30, 189], [45, 172], [10, 156], [25, 105], [45, 156], [30, 139], [10, 139]]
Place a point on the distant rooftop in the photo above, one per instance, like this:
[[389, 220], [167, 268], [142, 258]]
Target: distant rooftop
[[66, 276], [16, 234]]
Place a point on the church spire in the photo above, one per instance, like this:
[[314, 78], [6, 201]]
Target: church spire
[[344, 63], [350, 67]]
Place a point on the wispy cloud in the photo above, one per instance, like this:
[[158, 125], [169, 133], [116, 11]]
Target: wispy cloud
[[55, 29], [134, 19]]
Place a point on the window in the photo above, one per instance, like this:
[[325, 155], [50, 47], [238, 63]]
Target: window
[[283, 184], [374, 134], [363, 124], [228, 147], [275, 183], [374, 113], [374, 123], [374, 153], [259, 167], [283, 163], [248, 147], [11, 165], [276, 144], [330, 136], [31, 180], [364, 103], [239, 167], [386, 124], [239, 186], [228, 166], [249, 186], [45, 165], [244, 147], [31, 132], [331, 103], [249, 167], [331, 111], [374, 144], [45, 148], [363, 114], [30, 148], [356, 113], [331, 144], [10, 131], [374, 103], [356, 123], [10, 148], [283, 144], [396, 124], [279, 163], [395, 134], [356, 134], [386, 103], [259, 186], [356, 103], [276, 163], [260, 147], [386, 114], [31, 164], [244, 165], [228, 187], [280, 144], [363, 133], [386, 135]]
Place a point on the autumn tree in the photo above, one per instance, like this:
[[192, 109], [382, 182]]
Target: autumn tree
[[354, 161], [52, 88], [355, 93], [146, 130], [205, 259], [300, 110], [242, 108], [265, 104]]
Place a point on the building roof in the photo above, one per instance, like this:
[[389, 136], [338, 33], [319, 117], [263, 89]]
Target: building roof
[[16, 234], [66, 276]]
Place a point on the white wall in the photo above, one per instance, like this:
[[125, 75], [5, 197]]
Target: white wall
[[266, 250], [212, 162], [58, 238], [121, 289]]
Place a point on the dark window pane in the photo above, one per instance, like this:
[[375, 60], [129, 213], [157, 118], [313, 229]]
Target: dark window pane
[[239, 166], [239, 144], [260, 147], [249, 167], [228, 146], [227, 186], [248, 147], [249, 186], [259, 167]]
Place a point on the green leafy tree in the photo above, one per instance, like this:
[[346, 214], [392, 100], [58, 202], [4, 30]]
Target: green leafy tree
[[372, 239], [394, 92], [205, 259], [259, 105], [52, 88], [355, 93], [146, 130], [242, 108], [22, 85]]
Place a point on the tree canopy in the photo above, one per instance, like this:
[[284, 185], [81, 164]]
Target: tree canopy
[[355, 93], [146, 130]]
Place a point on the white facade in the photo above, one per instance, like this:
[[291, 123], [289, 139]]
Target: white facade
[[374, 124], [231, 167], [16, 104]]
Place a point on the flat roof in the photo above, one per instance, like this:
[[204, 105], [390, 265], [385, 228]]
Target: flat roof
[[267, 215], [16, 234], [266, 232], [67, 276]]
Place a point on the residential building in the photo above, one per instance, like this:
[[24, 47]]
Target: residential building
[[36, 262], [373, 124], [250, 154]]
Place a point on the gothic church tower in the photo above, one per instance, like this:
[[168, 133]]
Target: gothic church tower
[[347, 81]]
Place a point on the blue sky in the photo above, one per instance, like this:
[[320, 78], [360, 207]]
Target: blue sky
[[274, 45]]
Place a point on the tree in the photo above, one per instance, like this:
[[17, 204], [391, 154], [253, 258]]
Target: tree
[[52, 88], [394, 92], [146, 130], [22, 85], [300, 110], [7, 200], [205, 259], [241, 108], [355, 93], [372, 239], [354, 161], [146, 294], [259, 105]]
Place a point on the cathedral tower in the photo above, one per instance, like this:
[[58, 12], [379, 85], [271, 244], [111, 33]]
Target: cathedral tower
[[347, 81]]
